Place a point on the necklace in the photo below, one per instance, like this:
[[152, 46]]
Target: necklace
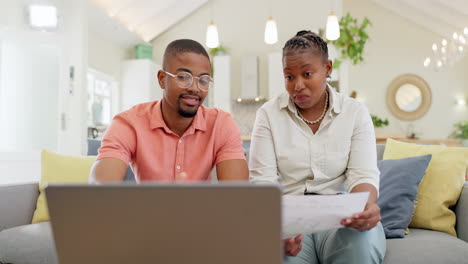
[[321, 117]]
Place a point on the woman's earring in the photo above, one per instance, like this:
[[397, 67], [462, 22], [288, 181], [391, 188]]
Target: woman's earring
[[329, 78]]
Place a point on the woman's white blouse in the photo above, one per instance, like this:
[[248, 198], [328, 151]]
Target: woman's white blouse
[[339, 156]]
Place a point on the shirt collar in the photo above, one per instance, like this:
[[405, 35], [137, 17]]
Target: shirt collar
[[199, 122], [334, 100], [286, 102], [157, 120]]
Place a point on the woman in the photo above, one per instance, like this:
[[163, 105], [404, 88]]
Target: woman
[[313, 140]]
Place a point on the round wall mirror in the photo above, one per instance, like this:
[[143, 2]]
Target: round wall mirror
[[409, 97]]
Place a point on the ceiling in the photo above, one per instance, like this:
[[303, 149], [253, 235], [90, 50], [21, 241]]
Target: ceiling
[[134, 21], [442, 17]]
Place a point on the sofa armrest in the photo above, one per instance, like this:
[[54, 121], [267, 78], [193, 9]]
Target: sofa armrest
[[462, 214], [17, 204]]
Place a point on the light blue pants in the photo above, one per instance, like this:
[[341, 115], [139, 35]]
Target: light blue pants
[[344, 245]]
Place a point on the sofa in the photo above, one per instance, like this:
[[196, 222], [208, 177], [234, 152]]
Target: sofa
[[22, 242]]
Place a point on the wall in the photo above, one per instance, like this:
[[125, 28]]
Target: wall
[[241, 26], [73, 34], [29, 86], [20, 167], [71, 45], [106, 56], [68, 44], [398, 46]]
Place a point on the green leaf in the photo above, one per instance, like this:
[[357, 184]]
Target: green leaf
[[347, 18], [365, 23], [343, 37], [461, 131], [378, 122], [352, 41], [352, 51], [336, 64], [363, 35]]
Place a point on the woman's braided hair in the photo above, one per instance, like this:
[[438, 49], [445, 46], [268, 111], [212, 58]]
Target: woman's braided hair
[[304, 40]]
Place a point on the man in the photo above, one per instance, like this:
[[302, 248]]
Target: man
[[176, 138]]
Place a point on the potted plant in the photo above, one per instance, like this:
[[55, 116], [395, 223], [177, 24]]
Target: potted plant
[[378, 122], [221, 50], [352, 40], [218, 51], [461, 132]]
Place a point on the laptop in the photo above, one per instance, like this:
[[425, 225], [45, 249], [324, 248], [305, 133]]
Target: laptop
[[162, 223]]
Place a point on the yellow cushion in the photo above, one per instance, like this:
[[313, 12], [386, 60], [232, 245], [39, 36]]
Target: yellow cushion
[[60, 169], [440, 187]]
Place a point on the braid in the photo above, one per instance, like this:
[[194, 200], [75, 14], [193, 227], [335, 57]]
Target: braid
[[305, 39]]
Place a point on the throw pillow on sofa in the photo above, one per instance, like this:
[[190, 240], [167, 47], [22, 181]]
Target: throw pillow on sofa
[[441, 186], [399, 180], [59, 168]]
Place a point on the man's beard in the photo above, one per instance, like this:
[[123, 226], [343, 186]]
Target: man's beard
[[185, 113]]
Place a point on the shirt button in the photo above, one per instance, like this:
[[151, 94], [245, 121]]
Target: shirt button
[[180, 141], [178, 167]]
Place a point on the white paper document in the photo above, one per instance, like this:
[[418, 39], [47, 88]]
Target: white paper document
[[306, 214]]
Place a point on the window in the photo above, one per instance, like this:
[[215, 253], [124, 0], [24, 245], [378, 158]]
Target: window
[[102, 102]]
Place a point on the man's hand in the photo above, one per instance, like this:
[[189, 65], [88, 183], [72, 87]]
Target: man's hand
[[108, 170], [365, 220], [292, 246]]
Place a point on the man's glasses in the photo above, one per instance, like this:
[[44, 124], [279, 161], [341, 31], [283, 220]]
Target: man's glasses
[[184, 80]]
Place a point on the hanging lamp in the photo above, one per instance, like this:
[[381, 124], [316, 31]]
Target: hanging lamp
[[333, 27], [271, 31]]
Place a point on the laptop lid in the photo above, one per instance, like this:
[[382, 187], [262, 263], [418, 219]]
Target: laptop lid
[[156, 223]]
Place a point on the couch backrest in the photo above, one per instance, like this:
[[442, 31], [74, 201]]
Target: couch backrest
[[95, 144]]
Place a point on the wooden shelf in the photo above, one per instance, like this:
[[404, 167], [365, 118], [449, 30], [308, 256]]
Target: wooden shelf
[[449, 142], [382, 139]]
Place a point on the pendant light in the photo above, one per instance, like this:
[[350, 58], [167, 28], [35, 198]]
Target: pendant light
[[333, 27], [271, 31], [212, 38]]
